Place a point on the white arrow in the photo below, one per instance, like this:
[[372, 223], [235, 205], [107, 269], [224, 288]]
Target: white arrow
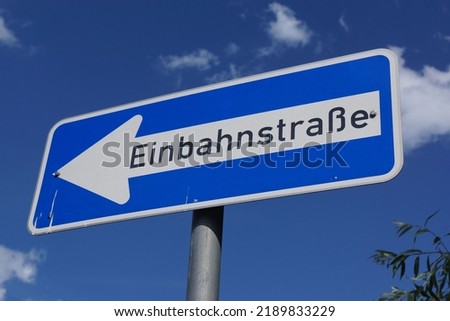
[[86, 170], [287, 129]]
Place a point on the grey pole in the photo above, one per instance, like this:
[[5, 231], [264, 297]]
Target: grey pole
[[205, 255]]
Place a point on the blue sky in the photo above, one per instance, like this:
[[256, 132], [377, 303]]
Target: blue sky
[[64, 58]]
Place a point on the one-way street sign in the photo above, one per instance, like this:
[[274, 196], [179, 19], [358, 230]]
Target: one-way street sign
[[320, 126]]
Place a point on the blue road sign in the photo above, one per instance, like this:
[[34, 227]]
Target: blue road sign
[[315, 127]]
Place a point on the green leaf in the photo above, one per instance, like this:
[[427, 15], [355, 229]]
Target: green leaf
[[383, 254], [382, 257], [433, 295], [402, 227], [419, 232], [416, 266], [402, 269], [411, 251], [446, 266], [442, 283], [403, 230], [420, 277], [398, 260], [433, 282], [410, 296], [386, 253], [400, 224], [430, 217]]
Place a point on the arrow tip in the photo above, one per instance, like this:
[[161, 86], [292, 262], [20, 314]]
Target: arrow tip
[[90, 171]]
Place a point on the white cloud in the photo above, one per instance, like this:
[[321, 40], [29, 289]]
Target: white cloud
[[201, 59], [232, 73], [231, 49], [442, 36], [425, 97], [17, 265], [343, 23], [7, 37], [286, 28]]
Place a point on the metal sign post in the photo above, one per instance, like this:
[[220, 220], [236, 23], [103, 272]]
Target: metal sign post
[[205, 255]]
